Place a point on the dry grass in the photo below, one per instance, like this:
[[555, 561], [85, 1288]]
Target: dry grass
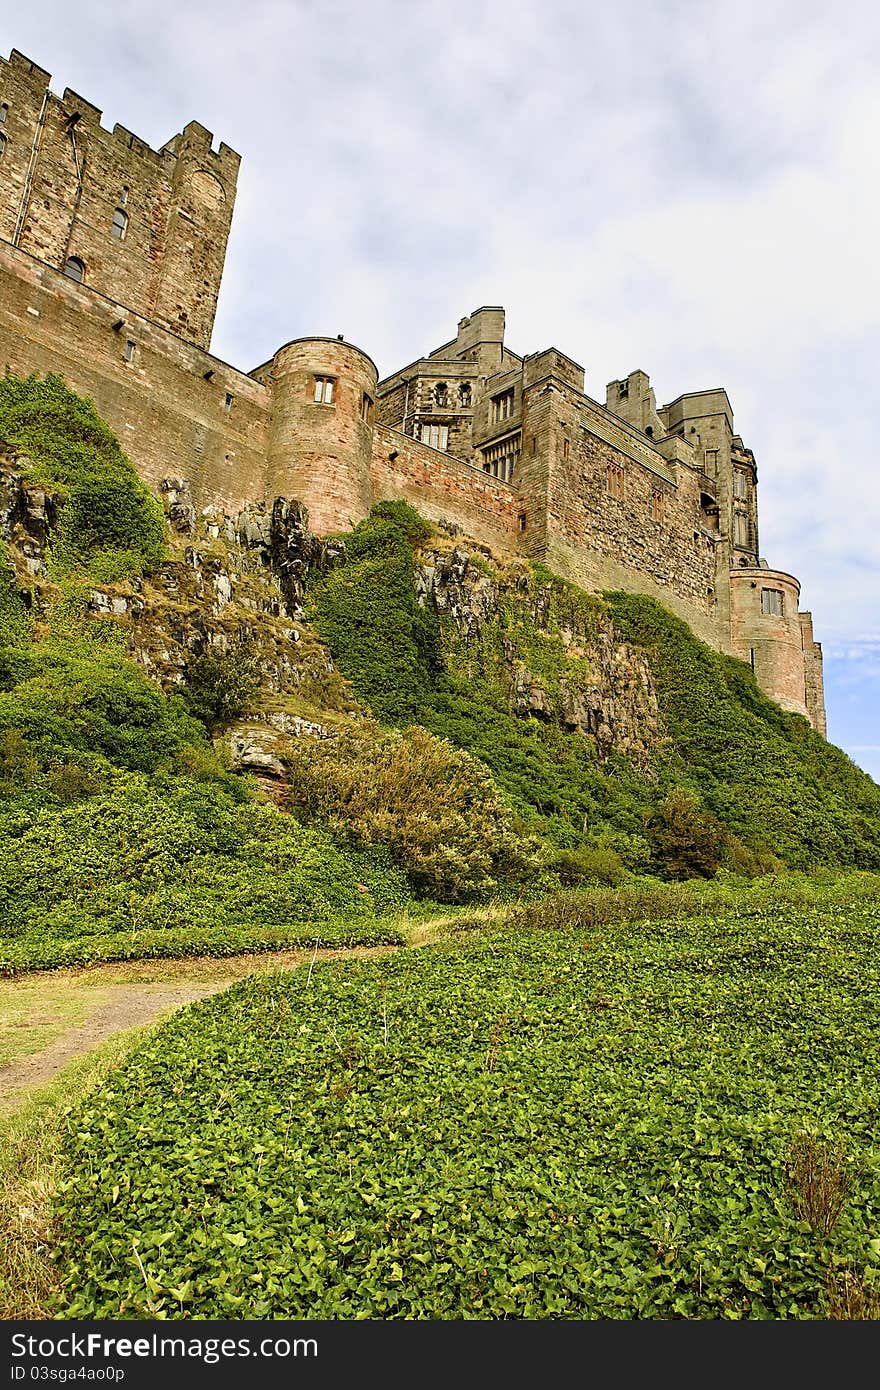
[[818, 1182], [850, 1298], [33, 1013]]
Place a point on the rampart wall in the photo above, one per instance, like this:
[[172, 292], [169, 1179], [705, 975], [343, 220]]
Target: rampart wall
[[444, 489], [171, 419]]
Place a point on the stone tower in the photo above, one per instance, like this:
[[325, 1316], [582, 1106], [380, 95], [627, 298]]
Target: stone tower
[[145, 228]]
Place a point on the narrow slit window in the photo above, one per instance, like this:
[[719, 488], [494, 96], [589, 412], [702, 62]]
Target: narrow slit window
[[324, 390], [227, 402], [502, 407], [3, 143], [658, 506], [4, 110], [120, 224], [366, 408]]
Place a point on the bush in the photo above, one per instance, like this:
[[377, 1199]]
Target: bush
[[106, 878], [688, 842], [368, 613], [434, 806], [590, 864], [111, 525], [219, 685]]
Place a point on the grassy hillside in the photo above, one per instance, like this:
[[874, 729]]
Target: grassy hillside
[[122, 832], [746, 784]]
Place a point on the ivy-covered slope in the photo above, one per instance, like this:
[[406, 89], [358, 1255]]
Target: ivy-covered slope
[[719, 759], [513, 733], [122, 833]]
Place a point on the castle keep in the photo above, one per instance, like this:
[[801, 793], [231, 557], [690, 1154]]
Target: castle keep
[[111, 256]]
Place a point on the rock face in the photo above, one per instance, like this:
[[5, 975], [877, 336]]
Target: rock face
[[28, 514], [591, 683], [236, 582]]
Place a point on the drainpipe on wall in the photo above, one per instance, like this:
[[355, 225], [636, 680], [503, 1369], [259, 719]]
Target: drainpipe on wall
[[29, 177]]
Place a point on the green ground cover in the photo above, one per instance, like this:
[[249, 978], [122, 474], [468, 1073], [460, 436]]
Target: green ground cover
[[768, 789], [620, 1119]]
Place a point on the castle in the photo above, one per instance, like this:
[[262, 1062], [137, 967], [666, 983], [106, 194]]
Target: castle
[[111, 255]]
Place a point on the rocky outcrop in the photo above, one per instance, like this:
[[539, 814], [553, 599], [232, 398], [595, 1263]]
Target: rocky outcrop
[[240, 582], [594, 684], [28, 515]]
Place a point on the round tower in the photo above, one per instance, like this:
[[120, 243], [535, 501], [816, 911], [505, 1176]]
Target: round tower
[[766, 631], [321, 435]]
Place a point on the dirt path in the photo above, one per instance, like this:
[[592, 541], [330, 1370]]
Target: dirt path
[[119, 997]]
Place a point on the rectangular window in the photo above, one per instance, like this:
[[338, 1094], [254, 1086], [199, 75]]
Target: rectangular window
[[435, 435], [500, 460], [741, 530], [614, 481], [522, 521], [658, 506], [324, 387], [566, 448], [130, 349], [740, 489], [502, 406], [366, 408], [773, 603]]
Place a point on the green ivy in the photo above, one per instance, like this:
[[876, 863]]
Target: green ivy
[[111, 526], [531, 1125]]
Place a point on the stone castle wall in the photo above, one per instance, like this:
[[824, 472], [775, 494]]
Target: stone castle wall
[[169, 418], [64, 177]]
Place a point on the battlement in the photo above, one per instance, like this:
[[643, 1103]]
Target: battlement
[[147, 227]]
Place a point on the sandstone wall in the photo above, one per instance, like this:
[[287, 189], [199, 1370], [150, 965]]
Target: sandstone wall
[[170, 420], [607, 541], [444, 489], [63, 177]]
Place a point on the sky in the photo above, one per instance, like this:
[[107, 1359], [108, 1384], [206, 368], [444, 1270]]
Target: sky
[[689, 187]]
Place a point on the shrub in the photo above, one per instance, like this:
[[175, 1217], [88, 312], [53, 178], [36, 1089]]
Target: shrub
[[219, 685], [145, 856], [590, 864], [111, 525], [687, 841], [368, 613], [434, 806]]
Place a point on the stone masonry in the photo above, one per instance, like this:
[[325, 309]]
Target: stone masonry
[[111, 256]]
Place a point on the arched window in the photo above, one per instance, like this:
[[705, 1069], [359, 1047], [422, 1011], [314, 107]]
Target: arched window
[[4, 110], [2, 144], [74, 269], [120, 224]]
